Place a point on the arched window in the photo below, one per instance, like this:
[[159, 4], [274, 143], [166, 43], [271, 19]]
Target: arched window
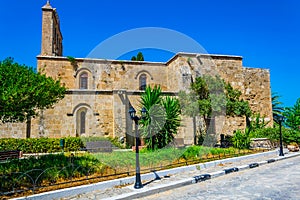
[[82, 122], [83, 81], [143, 82]]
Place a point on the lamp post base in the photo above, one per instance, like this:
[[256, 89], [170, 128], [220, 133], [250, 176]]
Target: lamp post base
[[138, 186], [280, 140], [281, 152], [138, 183]]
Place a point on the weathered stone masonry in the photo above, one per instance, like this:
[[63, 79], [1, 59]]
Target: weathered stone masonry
[[100, 91]]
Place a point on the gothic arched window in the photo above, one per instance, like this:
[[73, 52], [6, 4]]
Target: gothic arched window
[[83, 81], [143, 82]]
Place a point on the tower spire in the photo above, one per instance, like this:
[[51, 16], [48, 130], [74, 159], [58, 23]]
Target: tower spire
[[47, 5], [51, 34]]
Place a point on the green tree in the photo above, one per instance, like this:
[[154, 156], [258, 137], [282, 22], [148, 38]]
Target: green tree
[[277, 108], [235, 106], [172, 122], [210, 96], [151, 100], [24, 92], [292, 115], [162, 120], [139, 57], [214, 95]]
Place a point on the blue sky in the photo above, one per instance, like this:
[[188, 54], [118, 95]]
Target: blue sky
[[266, 33]]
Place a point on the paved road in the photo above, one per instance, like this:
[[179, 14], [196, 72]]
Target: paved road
[[279, 180]]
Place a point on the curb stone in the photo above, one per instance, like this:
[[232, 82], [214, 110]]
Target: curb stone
[[217, 174]]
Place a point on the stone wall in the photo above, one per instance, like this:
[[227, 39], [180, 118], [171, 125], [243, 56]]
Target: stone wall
[[254, 84], [13, 130], [257, 91], [113, 85], [61, 121]]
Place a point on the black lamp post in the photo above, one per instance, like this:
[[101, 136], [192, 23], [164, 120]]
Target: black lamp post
[[280, 120], [138, 183]]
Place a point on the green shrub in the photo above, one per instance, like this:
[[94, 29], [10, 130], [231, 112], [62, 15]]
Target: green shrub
[[218, 151], [115, 141], [73, 144], [241, 140], [191, 152], [195, 151], [214, 151], [288, 135], [291, 136], [93, 139], [40, 145], [270, 133]]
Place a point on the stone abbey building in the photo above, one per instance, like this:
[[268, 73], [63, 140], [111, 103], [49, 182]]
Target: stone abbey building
[[100, 91]]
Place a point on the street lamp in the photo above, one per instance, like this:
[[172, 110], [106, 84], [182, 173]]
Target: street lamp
[[280, 120], [138, 183]]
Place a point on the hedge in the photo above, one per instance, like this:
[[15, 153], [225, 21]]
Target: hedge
[[40, 145]]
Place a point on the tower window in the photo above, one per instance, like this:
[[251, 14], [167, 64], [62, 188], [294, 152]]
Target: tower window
[[83, 81], [143, 82]]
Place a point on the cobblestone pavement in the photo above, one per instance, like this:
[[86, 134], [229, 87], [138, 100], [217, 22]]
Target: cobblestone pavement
[[279, 180], [111, 192]]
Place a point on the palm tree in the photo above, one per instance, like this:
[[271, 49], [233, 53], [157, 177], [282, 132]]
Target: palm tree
[[162, 120], [172, 109], [277, 108], [154, 120], [292, 115]]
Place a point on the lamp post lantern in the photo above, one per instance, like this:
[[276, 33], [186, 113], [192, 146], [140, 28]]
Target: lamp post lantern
[[280, 119], [138, 183]]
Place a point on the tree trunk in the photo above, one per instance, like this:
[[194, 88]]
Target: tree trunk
[[210, 138], [28, 127]]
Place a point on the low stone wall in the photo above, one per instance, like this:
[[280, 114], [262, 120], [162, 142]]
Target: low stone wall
[[260, 143]]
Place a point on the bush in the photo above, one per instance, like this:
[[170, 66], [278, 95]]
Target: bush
[[191, 152], [217, 151], [40, 145], [73, 144], [241, 140], [270, 133], [288, 135], [291, 136], [195, 151], [115, 141]]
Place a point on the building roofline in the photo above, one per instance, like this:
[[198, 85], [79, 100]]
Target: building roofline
[[101, 60], [214, 56]]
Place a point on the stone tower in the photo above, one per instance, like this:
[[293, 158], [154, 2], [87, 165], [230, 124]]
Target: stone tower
[[51, 34]]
